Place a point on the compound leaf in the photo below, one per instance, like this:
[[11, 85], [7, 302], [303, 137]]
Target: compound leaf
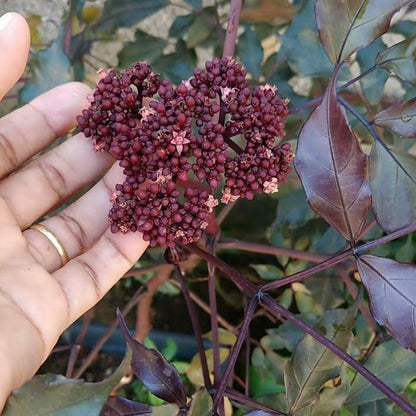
[[152, 369], [393, 187], [348, 25], [392, 364], [312, 364], [391, 286], [400, 59], [332, 167], [55, 395], [399, 117]]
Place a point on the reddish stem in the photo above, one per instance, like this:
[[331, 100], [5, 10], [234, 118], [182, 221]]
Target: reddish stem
[[232, 28]]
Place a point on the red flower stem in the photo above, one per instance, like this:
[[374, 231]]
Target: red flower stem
[[219, 393], [232, 28], [271, 305]]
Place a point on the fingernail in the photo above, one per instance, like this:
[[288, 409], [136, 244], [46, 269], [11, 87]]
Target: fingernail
[[5, 20]]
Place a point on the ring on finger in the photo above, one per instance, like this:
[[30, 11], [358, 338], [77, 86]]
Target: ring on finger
[[53, 240]]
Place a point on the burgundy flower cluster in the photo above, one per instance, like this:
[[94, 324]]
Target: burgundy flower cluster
[[184, 148]]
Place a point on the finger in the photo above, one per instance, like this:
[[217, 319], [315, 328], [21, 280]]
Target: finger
[[89, 276], [51, 178], [14, 50], [29, 129], [78, 226]]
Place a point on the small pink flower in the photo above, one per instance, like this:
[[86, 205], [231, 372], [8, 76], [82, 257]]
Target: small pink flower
[[226, 92], [161, 178], [228, 197], [98, 147], [211, 202], [268, 87], [179, 139], [145, 113], [271, 186], [102, 73]]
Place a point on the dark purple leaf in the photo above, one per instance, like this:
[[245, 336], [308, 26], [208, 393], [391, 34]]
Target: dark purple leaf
[[332, 167], [348, 25], [393, 187], [399, 117], [119, 406], [392, 290], [160, 377]]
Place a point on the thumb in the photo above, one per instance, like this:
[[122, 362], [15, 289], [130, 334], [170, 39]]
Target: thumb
[[14, 49]]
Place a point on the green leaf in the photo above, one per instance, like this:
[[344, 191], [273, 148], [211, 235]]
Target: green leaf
[[196, 4], [122, 13], [55, 395], [194, 372], [348, 25], [201, 404], [396, 371], [49, 68], [312, 364], [400, 59], [250, 52], [145, 48], [287, 335], [393, 187], [400, 118], [293, 209], [301, 45], [372, 85], [381, 407], [224, 337], [178, 65], [200, 30], [268, 271], [181, 25], [406, 252], [333, 396]]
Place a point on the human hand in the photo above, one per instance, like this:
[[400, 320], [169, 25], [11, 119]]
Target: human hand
[[39, 295]]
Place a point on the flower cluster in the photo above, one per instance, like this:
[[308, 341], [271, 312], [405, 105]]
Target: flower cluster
[[184, 148]]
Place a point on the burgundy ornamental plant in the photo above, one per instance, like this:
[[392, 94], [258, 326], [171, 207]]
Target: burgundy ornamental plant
[[185, 149]]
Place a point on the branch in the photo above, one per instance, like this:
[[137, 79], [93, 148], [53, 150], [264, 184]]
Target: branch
[[232, 28], [272, 306]]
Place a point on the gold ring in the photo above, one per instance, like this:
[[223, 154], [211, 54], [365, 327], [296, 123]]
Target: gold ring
[[53, 240]]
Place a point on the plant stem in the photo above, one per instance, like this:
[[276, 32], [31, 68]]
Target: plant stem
[[228, 243], [246, 286], [219, 393], [195, 327], [232, 28], [295, 277], [235, 395], [269, 303], [317, 100]]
